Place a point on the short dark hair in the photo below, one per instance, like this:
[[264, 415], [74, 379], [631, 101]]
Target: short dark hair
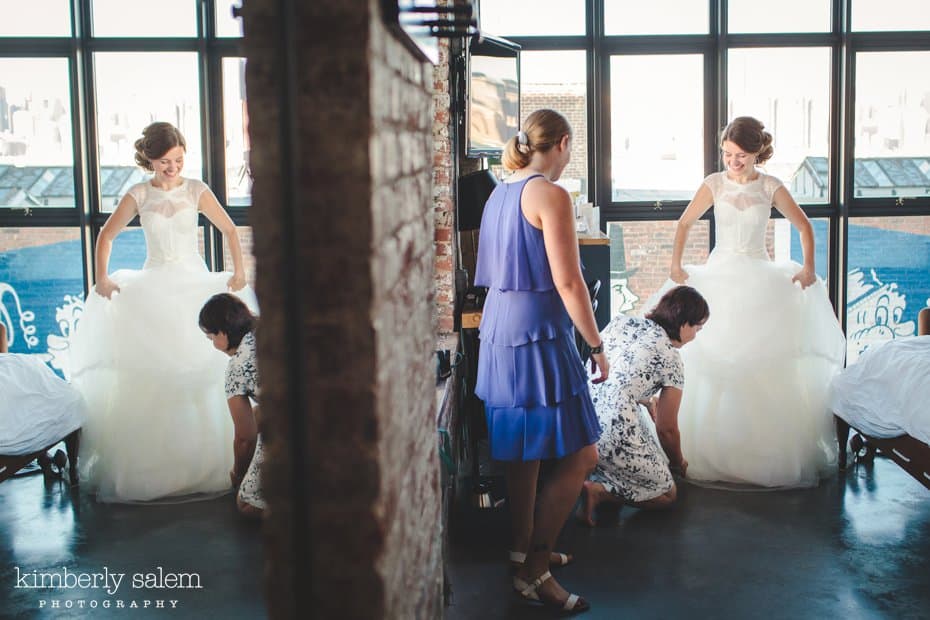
[[228, 314], [682, 305]]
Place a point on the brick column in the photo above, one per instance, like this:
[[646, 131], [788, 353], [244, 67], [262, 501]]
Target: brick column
[[347, 329]]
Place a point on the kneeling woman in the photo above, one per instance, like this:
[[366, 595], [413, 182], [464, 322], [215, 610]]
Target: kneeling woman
[[230, 325], [634, 465]]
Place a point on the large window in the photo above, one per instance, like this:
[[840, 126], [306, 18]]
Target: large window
[[120, 18], [657, 140], [558, 80], [889, 15], [788, 89], [640, 256], [36, 151], [236, 130], [655, 17], [783, 16], [136, 89], [533, 18], [36, 18], [844, 94], [892, 131], [72, 105]]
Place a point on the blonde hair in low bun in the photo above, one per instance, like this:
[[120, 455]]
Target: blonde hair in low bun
[[513, 157], [544, 129], [749, 134], [157, 139]]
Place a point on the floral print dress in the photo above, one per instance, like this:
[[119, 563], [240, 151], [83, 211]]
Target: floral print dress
[[242, 380], [631, 462]]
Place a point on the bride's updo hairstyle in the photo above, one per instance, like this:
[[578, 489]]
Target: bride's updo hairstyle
[[680, 306], [157, 139], [542, 130], [750, 135]]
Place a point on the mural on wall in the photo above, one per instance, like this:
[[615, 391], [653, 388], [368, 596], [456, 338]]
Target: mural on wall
[[887, 282], [622, 298], [41, 289], [21, 329], [24, 318], [59, 345], [876, 312]]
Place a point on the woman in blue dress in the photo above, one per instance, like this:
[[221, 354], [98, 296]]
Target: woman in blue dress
[[530, 376]]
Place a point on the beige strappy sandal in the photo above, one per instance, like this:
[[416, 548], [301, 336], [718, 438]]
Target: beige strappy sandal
[[574, 604]]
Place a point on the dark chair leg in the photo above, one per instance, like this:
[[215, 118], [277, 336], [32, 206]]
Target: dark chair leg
[[842, 438], [72, 445]]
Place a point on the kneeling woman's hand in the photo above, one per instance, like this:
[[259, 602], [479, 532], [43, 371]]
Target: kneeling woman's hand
[[599, 362]]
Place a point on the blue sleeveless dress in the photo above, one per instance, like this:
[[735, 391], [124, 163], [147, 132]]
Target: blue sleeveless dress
[[530, 376]]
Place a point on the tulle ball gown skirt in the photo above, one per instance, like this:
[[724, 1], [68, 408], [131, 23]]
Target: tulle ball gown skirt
[[754, 409], [158, 424]]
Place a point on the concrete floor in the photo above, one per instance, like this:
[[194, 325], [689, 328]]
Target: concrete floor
[[854, 547], [47, 527]]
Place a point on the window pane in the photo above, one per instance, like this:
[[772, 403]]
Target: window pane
[[783, 16], [640, 256], [655, 17], [36, 18], [889, 258], [129, 249], [36, 158], [890, 15], [41, 291], [892, 124], [532, 17], [124, 18], [226, 24], [245, 238], [238, 177], [657, 132], [136, 89], [557, 80], [783, 242], [794, 105]]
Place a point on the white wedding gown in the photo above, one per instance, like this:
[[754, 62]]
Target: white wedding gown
[[754, 408], [158, 426]]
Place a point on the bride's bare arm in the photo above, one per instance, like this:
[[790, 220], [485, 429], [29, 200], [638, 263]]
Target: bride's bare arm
[[703, 199], [125, 211], [209, 206], [787, 206]]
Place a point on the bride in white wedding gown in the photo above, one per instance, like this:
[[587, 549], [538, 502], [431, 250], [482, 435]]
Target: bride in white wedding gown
[[157, 421], [754, 410]]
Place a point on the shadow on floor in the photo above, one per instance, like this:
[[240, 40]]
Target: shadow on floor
[[855, 547], [147, 555]]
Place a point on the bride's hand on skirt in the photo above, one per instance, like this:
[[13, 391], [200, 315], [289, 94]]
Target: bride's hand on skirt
[[805, 277], [106, 287], [236, 282], [678, 275]]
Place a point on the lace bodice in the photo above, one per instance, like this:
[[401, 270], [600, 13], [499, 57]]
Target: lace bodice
[[169, 221], [741, 212]]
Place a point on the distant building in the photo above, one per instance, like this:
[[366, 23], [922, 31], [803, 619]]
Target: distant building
[[53, 186], [873, 176]]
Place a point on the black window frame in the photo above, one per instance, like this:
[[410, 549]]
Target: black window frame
[[79, 50], [843, 43]]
